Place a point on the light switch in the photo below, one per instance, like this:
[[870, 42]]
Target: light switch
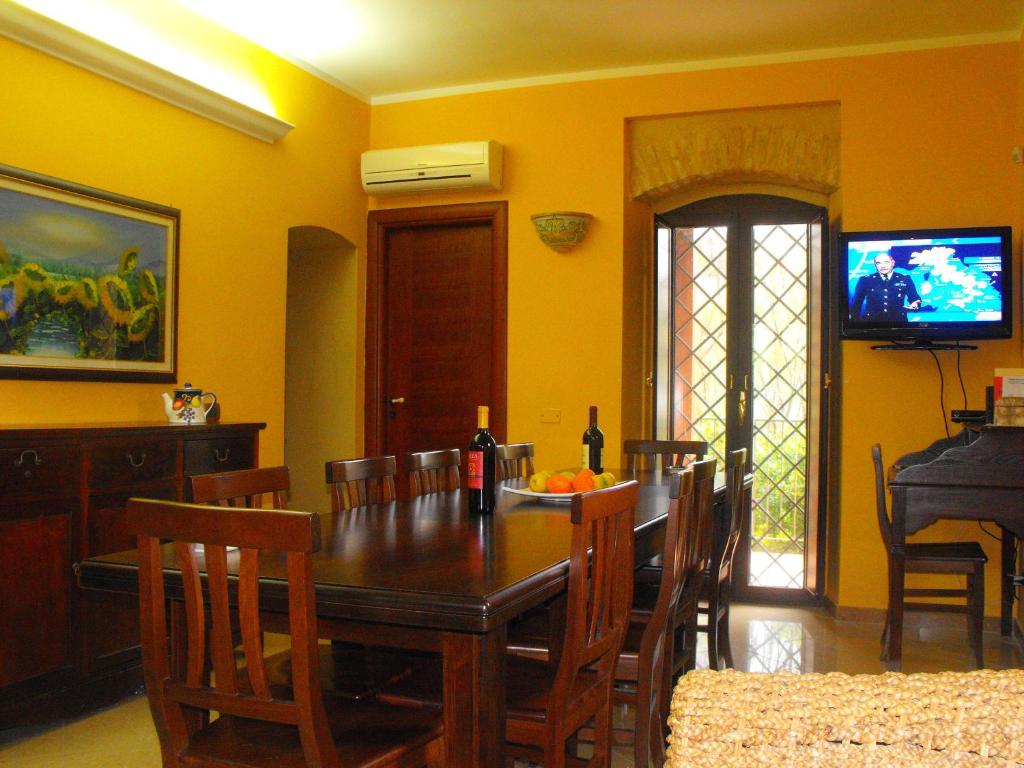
[[550, 415]]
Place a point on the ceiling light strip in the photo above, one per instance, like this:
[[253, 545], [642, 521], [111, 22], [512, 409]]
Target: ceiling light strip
[[45, 34]]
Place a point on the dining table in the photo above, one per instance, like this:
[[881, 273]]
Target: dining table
[[426, 574]]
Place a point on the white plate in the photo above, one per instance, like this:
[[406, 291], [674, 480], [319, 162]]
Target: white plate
[[561, 498]]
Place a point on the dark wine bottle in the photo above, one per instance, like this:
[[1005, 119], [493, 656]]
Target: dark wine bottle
[[480, 473], [593, 445]]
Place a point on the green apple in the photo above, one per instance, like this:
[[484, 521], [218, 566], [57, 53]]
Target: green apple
[[600, 481], [609, 479], [568, 474]]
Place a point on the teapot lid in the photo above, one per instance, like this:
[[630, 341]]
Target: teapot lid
[[187, 388]]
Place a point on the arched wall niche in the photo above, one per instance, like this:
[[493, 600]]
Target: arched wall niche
[[677, 159]]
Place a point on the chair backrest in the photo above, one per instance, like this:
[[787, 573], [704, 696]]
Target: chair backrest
[[681, 532], [358, 482], [515, 460], [600, 592], [433, 471], [673, 453], [251, 488], [239, 691], [729, 522], [884, 523], [704, 509]]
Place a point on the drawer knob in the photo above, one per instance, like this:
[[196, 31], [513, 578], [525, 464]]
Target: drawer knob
[[131, 459], [221, 457], [20, 461]]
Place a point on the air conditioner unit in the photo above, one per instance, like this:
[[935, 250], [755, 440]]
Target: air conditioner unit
[[440, 166]]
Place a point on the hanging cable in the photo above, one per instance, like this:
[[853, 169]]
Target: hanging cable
[[960, 376], [942, 391], [987, 532]]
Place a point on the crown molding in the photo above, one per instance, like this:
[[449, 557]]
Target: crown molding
[[44, 34]]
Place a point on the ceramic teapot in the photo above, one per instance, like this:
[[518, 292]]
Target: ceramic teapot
[[188, 406]]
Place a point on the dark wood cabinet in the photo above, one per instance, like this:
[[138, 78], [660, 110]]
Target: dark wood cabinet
[[62, 497]]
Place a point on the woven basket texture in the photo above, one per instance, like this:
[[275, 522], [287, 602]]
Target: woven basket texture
[[732, 718]]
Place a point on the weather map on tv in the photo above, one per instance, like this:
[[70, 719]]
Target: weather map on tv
[[950, 281]]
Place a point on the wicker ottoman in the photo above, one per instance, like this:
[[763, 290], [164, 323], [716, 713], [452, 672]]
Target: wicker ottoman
[[735, 718]]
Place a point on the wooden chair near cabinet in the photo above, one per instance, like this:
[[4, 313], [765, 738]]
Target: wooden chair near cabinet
[[259, 723], [348, 669], [515, 460], [359, 482], [673, 453], [433, 471], [717, 587], [965, 558]]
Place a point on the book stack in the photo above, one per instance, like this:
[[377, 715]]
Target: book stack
[[1008, 394]]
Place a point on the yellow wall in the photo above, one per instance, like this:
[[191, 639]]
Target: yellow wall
[[926, 140], [238, 198]]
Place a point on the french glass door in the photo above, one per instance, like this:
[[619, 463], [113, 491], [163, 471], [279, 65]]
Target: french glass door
[[738, 342]]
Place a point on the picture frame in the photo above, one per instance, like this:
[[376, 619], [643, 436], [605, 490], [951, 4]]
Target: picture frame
[[88, 283]]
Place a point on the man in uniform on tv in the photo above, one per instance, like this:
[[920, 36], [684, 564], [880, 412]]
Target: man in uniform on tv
[[885, 295]]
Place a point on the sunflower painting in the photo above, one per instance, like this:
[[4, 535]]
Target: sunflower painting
[[88, 286]]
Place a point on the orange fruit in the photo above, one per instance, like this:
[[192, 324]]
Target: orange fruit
[[583, 481], [587, 472], [559, 484]]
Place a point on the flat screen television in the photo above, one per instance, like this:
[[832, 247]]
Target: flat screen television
[[915, 287]]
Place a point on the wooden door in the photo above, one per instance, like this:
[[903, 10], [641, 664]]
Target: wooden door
[[436, 327]]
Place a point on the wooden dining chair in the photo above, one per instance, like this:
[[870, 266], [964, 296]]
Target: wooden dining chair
[[433, 471], [515, 460], [549, 700], [965, 558], [360, 482], [642, 673], [348, 669], [717, 587], [252, 488], [684, 624], [673, 453], [258, 724]]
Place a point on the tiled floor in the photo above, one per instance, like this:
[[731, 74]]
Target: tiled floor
[[763, 639]]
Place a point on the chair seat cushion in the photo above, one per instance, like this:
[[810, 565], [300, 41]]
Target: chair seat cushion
[[528, 685], [362, 731], [967, 551]]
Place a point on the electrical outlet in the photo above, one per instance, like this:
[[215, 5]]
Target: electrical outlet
[[550, 415]]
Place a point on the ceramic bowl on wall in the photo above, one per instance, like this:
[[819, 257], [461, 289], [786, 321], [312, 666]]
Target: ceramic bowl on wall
[[562, 230]]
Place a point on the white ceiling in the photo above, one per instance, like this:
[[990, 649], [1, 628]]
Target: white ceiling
[[387, 50]]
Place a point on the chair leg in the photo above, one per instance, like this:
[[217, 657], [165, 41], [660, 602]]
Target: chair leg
[[603, 735], [885, 637], [723, 639], [713, 661], [976, 611], [690, 642]]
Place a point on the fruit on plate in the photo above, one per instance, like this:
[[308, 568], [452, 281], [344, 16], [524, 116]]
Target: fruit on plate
[[539, 481], [567, 481], [559, 484], [584, 481]]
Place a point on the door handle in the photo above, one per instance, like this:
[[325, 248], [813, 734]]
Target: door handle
[[397, 400]]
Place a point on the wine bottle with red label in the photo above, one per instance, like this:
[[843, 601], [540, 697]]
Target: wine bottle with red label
[[480, 472], [593, 445]]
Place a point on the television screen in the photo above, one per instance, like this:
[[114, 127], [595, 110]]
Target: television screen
[[919, 285]]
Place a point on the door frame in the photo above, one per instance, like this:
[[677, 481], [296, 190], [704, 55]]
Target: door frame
[[776, 208], [379, 224]]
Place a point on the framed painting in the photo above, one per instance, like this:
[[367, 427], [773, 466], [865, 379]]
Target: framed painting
[[88, 283]]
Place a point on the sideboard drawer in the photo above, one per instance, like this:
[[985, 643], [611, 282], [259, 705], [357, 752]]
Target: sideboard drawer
[[218, 455], [45, 470], [129, 462]]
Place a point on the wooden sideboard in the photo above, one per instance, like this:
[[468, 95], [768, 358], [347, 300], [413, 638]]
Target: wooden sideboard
[[63, 490]]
